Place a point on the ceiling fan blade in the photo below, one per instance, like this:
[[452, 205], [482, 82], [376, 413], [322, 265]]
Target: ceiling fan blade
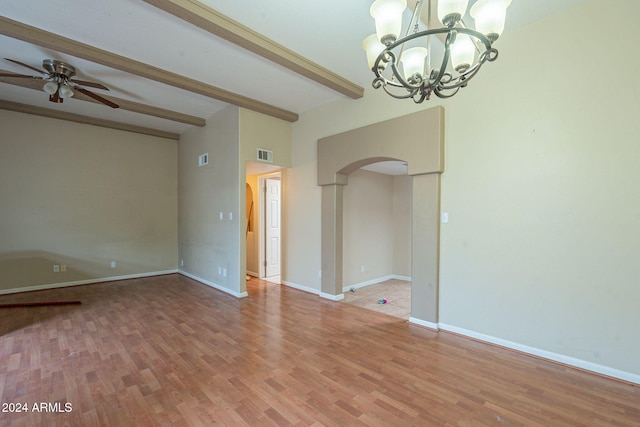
[[37, 70], [97, 97], [21, 76], [90, 84]]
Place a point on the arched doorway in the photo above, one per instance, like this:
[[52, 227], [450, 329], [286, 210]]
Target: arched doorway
[[417, 139]]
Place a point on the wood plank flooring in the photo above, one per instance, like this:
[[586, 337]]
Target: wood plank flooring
[[170, 351]]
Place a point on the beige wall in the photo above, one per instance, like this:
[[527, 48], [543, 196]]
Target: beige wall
[[83, 196], [209, 246], [214, 250], [544, 236], [402, 205], [376, 227], [541, 150], [367, 227], [261, 131]]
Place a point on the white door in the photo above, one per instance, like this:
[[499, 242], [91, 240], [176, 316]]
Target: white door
[[272, 241]]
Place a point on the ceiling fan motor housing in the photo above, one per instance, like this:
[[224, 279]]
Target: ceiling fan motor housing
[[58, 68]]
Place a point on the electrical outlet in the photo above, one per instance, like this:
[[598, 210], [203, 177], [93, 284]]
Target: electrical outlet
[[362, 269], [56, 268], [181, 263], [113, 264], [224, 272], [221, 216], [219, 271], [63, 267], [230, 216]]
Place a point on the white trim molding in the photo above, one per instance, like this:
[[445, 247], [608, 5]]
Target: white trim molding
[[336, 298], [214, 285], [330, 297], [544, 354], [85, 282], [301, 287], [375, 281], [424, 323]]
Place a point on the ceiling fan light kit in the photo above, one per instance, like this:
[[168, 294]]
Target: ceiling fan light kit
[[407, 67], [59, 82]]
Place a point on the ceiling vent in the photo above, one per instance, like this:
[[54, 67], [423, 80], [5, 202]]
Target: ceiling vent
[[265, 155]]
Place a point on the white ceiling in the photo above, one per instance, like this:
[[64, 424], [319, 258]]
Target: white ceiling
[[327, 32]]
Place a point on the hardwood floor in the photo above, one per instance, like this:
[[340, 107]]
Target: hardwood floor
[[170, 351], [396, 292]]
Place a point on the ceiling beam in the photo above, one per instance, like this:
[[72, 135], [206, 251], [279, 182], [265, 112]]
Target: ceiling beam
[[29, 34], [222, 26], [124, 104], [62, 115]]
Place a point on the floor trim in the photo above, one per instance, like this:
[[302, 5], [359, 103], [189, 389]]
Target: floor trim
[[424, 323], [85, 282], [544, 354], [375, 282], [301, 287], [214, 285]]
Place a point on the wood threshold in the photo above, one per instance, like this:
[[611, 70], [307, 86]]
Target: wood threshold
[[208, 19], [29, 34], [61, 115]]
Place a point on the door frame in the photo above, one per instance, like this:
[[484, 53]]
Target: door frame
[[262, 255]]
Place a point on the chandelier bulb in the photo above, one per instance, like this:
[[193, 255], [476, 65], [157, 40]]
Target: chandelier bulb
[[490, 16], [388, 17], [450, 12], [407, 71]]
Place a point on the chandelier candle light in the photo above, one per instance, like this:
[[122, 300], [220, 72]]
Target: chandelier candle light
[[465, 49]]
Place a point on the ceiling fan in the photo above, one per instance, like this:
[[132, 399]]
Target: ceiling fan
[[60, 84]]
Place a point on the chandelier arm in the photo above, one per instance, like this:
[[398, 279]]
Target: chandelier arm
[[465, 77], [463, 80], [443, 85], [440, 94], [445, 59], [408, 95], [401, 79]]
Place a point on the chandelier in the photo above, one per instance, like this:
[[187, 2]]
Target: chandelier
[[407, 67]]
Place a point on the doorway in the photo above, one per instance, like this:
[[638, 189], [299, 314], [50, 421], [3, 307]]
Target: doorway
[[340, 155], [264, 223], [271, 231]]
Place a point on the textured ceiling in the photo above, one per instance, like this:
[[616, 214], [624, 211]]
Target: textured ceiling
[[327, 32]]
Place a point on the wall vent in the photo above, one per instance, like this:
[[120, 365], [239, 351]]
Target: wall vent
[[265, 155], [203, 159]]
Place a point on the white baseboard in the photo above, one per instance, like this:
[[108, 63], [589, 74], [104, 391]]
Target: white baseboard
[[253, 273], [301, 287], [338, 297], [424, 323], [544, 354], [321, 294], [85, 282], [214, 285], [375, 281]]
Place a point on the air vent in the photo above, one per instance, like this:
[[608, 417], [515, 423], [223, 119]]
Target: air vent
[[203, 159], [265, 155]]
